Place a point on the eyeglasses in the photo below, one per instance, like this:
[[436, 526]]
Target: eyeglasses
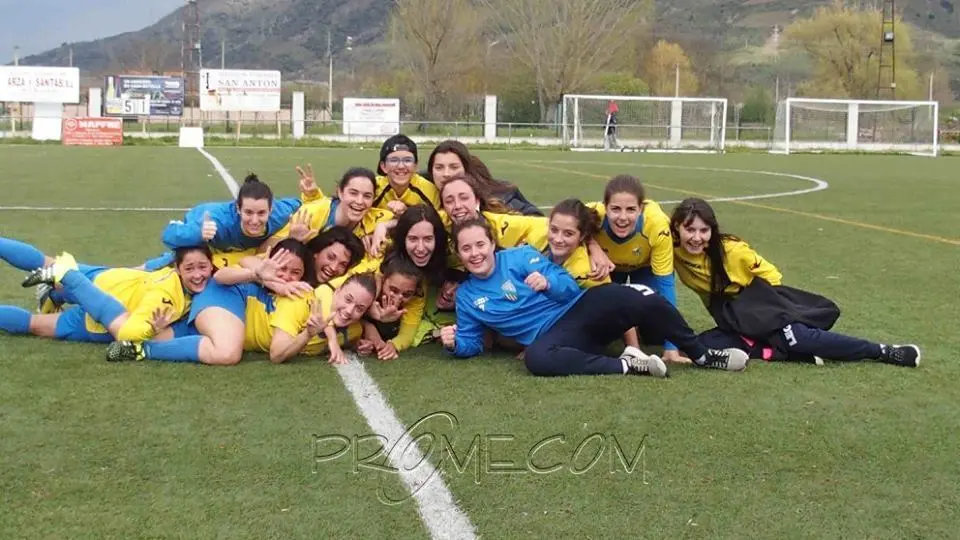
[[401, 160]]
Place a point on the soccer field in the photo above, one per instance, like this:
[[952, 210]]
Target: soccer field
[[151, 449]]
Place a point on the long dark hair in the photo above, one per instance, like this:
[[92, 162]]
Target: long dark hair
[[588, 220], [338, 235], [473, 166], [436, 266], [299, 250], [684, 214], [254, 188], [488, 203]]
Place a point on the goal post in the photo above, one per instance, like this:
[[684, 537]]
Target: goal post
[[669, 124], [845, 125]]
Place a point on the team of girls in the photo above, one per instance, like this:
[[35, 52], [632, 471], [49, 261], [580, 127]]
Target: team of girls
[[379, 266]]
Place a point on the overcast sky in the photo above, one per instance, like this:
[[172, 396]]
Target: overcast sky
[[38, 25]]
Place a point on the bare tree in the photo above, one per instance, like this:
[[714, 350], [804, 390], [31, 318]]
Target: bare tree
[[143, 56], [438, 41], [566, 43]]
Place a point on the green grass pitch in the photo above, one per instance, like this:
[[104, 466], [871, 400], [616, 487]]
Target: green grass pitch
[[148, 449]]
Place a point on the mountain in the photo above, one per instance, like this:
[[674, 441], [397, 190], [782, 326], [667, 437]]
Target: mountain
[[291, 35]]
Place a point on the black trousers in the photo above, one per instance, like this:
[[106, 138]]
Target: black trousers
[[576, 344]]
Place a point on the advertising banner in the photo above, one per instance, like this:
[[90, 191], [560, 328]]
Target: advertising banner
[[239, 90], [34, 84], [132, 95], [92, 131], [372, 117]]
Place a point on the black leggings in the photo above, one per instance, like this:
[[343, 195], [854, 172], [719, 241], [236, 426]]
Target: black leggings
[[576, 344]]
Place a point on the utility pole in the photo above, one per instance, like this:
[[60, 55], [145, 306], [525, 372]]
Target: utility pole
[[676, 82], [329, 76], [223, 52], [16, 55], [887, 74]]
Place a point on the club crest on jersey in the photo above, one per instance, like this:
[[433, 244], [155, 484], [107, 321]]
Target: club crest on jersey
[[509, 290], [479, 303]]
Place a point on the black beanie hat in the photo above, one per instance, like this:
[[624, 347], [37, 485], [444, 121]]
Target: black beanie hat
[[397, 143]]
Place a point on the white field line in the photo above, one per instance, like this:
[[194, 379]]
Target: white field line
[[435, 503]]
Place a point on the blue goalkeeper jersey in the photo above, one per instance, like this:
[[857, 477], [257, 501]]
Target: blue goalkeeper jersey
[[230, 236], [507, 305]]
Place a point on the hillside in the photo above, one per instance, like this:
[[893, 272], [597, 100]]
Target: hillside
[[291, 35]]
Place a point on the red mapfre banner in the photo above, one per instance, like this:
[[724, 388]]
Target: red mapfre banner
[[92, 131]]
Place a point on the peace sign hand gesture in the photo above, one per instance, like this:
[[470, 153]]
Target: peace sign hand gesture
[[308, 185]]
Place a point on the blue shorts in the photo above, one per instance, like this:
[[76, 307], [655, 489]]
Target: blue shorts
[[232, 298], [640, 276], [72, 326]]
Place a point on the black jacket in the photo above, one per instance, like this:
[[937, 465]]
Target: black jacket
[[761, 310]]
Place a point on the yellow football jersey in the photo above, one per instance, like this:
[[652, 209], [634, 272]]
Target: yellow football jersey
[[323, 217], [509, 230], [141, 293], [650, 245], [741, 262], [419, 191], [223, 259], [258, 331], [578, 266], [410, 321]]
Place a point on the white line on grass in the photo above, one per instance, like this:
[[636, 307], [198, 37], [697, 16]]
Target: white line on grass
[[90, 209], [819, 185], [435, 504]]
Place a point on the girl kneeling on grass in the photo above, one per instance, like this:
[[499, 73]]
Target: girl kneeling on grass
[[521, 295], [753, 310]]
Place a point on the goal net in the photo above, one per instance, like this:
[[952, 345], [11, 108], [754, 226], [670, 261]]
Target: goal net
[[644, 123], [806, 125]]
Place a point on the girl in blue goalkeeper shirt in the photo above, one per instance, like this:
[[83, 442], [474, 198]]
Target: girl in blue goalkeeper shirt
[[232, 229], [521, 295]]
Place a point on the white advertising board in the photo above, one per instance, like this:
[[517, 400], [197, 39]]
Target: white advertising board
[[371, 116], [34, 84], [239, 90]]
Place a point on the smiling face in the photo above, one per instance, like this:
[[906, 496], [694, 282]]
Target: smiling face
[[445, 166], [399, 167], [564, 235], [356, 197], [254, 214], [398, 289], [350, 302], [459, 201], [421, 242], [623, 210], [695, 235], [195, 270], [331, 262], [476, 251], [291, 271]]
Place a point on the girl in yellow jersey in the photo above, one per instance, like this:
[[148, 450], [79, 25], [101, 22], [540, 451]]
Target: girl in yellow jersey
[[352, 207], [635, 235], [402, 295], [753, 310], [112, 303], [399, 186]]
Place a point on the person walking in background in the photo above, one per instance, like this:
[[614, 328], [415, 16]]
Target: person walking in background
[[610, 127]]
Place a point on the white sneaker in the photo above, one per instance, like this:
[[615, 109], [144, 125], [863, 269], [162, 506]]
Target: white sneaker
[[641, 363]]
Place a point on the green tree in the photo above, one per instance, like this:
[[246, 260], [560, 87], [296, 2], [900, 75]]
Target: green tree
[[843, 46], [619, 83], [660, 70], [758, 108]]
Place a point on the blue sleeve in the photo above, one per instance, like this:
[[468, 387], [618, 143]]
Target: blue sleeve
[[563, 287], [188, 232], [469, 338], [280, 215], [667, 288], [156, 263]]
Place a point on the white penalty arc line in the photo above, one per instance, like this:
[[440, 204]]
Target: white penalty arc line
[[435, 503], [818, 184]]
